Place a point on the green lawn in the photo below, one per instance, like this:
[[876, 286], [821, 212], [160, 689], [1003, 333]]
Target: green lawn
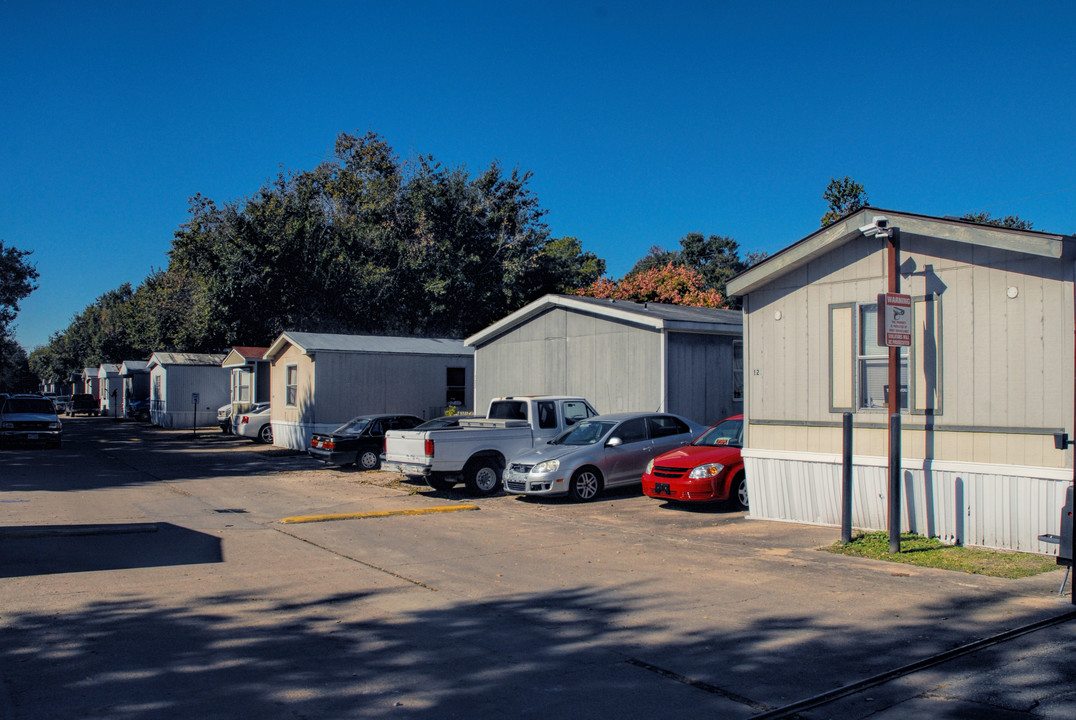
[[931, 552]]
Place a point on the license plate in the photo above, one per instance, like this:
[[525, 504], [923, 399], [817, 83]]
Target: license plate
[[31, 436], [662, 489]]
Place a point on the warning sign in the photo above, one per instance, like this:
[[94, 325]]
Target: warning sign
[[894, 320]]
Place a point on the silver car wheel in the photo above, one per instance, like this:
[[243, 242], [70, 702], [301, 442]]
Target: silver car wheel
[[368, 459], [585, 485], [739, 492], [266, 434]]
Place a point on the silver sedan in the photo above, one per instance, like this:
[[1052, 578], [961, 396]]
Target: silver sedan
[[598, 453]]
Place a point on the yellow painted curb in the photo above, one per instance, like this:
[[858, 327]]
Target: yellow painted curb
[[377, 514]]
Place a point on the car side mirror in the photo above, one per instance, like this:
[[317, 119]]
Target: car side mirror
[[614, 442]]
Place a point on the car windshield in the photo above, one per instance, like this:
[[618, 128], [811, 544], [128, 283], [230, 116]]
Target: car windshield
[[727, 432], [354, 426], [586, 432], [29, 405]]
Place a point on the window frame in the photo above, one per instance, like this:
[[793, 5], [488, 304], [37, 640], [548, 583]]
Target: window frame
[[291, 386]]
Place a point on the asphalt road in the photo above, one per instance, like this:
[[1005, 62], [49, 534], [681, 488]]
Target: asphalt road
[[147, 574]]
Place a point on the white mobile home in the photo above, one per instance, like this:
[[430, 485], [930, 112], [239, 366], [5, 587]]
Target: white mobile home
[[135, 377], [110, 386], [186, 388], [91, 385], [320, 380], [622, 356], [986, 382]]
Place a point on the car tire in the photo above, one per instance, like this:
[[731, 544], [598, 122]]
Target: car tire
[[368, 459], [586, 484], [437, 481], [482, 476], [738, 492], [265, 435]]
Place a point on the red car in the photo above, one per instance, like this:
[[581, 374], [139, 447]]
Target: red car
[[709, 469]]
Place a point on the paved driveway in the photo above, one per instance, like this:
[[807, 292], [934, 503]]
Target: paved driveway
[[146, 574]]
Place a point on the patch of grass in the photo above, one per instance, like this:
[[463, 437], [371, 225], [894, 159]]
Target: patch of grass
[[931, 552]]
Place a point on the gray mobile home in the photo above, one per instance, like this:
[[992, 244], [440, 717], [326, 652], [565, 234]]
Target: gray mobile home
[[135, 377], [110, 386], [622, 356], [986, 382], [320, 381], [178, 380]]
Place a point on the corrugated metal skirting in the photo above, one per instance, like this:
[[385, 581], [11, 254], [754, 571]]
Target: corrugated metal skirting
[[965, 506]]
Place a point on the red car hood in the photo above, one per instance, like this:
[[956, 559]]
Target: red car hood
[[692, 455]]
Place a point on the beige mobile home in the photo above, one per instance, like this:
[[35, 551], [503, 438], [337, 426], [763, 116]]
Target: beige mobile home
[[320, 381], [90, 383], [250, 382], [986, 382]]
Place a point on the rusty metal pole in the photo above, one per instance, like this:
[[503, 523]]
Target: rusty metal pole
[[893, 277]]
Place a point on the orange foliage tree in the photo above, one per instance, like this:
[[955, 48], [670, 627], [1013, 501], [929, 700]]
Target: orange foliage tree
[[670, 284]]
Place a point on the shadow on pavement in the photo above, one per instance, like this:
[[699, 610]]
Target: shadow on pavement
[[578, 652], [51, 549]]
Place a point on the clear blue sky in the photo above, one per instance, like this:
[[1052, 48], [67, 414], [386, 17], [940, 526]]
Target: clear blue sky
[[641, 122]]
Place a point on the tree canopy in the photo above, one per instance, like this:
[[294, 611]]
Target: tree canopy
[[1009, 221], [18, 278], [843, 196], [362, 243]]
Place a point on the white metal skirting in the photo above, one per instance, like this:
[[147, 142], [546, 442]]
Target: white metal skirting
[[995, 506]]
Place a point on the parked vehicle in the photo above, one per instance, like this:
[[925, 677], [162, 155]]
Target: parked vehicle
[[61, 402], [708, 470], [598, 453], [138, 410], [29, 419], [83, 403], [476, 452], [224, 418], [444, 422], [359, 440], [254, 423]]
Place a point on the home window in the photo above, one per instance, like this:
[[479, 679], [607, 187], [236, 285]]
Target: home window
[[737, 370], [291, 385], [873, 364], [456, 386]]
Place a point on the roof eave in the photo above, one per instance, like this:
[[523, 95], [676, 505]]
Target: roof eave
[[1029, 242]]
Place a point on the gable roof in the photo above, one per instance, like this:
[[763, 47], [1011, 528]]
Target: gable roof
[[241, 355], [312, 343], [820, 242], [134, 367], [107, 369], [657, 316], [166, 358]]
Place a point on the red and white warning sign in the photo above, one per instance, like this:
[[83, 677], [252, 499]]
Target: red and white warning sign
[[894, 320]]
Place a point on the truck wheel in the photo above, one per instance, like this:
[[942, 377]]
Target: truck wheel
[[482, 476], [437, 481]]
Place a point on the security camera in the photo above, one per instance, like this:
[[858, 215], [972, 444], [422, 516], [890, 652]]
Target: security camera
[[879, 226]]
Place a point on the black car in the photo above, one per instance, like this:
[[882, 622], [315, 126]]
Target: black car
[[83, 403], [358, 441]]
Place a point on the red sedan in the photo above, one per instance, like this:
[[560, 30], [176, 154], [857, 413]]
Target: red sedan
[[709, 469]]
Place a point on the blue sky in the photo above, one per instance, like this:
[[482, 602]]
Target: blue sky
[[640, 122]]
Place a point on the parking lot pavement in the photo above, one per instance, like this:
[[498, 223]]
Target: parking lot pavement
[[522, 608]]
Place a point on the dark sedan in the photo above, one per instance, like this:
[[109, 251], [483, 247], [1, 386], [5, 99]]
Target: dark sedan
[[359, 440]]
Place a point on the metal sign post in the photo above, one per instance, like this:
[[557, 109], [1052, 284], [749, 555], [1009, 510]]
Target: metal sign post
[[195, 399], [894, 339]]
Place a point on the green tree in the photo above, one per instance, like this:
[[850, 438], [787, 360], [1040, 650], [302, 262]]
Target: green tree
[[715, 258], [1009, 221], [17, 280], [844, 196], [15, 375]]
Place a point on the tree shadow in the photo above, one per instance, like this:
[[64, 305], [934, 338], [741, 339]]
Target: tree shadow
[[575, 652]]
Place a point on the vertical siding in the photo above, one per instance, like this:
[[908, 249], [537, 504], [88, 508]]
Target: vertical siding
[[699, 376], [977, 506], [614, 365]]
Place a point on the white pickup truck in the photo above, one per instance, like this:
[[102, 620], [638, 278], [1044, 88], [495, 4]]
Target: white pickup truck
[[478, 450]]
